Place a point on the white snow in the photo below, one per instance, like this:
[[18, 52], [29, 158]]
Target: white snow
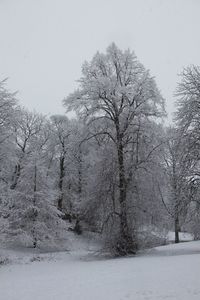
[[167, 272]]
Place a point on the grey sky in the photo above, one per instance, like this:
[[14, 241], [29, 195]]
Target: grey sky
[[45, 42]]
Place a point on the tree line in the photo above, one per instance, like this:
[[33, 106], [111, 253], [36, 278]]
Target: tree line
[[115, 169]]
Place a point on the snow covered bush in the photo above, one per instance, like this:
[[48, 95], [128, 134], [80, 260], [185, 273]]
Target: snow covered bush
[[33, 219]]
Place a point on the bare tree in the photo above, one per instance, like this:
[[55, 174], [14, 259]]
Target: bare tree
[[179, 169], [188, 123], [26, 129], [116, 89], [61, 130]]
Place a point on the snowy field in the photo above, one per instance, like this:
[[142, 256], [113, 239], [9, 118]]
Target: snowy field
[[167, 272]]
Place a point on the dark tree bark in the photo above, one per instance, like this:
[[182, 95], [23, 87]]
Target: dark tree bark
[[60, 184], [16, 176], [34, 203], [126, 244], [177, 229]]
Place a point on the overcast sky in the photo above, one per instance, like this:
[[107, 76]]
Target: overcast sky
[[43, 43]]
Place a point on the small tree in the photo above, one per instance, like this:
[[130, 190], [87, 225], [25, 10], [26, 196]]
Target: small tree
[[26, 129], [8, 108], [187, 121], [61, 131], [178, 167], [32, 217]]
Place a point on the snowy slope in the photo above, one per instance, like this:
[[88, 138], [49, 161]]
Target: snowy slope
[[167, 272]]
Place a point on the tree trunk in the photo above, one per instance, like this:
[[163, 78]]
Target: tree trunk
[[80, 173], [60, 185], [77, 227], [176, 217], [16, 176], [34, 203], [177, 229], [125, 244]]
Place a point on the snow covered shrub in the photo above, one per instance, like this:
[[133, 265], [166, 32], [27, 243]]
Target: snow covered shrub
[[33, 219], [113, 239]]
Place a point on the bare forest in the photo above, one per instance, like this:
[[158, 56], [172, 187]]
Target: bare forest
[[113, 168]]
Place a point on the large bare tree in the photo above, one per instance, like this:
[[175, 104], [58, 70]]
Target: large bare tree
[[116, 89]]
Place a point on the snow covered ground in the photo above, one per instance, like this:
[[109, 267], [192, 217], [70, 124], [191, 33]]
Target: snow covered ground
[[167, 272]]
